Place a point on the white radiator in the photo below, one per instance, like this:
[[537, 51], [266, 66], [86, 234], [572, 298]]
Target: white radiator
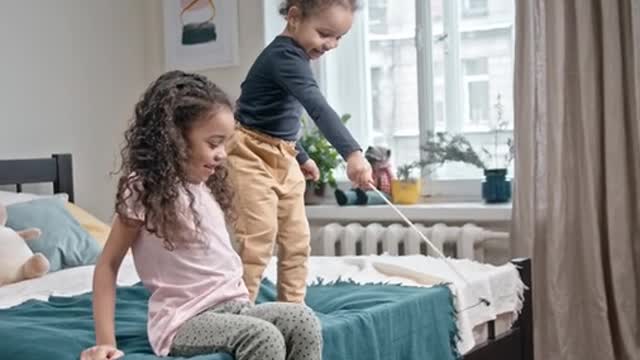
[[396, 239]]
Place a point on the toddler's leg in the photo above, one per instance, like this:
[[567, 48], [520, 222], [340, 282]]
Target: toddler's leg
[[256, 206], [246, 337], [297, 323], [293, 238], [255, 231]]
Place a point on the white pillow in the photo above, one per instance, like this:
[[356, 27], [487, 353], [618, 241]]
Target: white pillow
[[8, 197]]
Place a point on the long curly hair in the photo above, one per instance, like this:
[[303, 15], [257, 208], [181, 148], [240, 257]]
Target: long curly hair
[[155, 154], [310, 7]]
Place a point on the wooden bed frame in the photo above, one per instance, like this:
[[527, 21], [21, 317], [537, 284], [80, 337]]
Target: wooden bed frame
[[515, 344], [57, 170]]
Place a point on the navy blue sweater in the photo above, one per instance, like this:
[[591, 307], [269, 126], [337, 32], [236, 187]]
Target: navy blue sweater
[[279, 84]]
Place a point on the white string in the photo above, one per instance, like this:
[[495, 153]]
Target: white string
[[425, 239]]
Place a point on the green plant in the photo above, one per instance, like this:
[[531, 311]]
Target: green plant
[[500, 126], [321, 151], [405, 171], [440, 148], [443, 147]]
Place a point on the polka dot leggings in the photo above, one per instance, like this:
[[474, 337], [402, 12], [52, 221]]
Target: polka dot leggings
[[270, 331]]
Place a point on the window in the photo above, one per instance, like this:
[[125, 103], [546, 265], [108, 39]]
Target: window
[[476, 93], [407, 68], [475, 8], [468, 61]]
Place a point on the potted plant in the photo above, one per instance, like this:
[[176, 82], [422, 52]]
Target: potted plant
[[325, 156], [496, 188], [406, 189], [439, 149], [443, 147]]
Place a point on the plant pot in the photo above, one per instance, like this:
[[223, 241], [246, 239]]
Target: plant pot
[[496, 188], [315, 193], [405, 192]]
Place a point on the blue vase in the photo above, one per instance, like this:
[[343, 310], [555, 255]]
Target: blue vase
[[496, 188]]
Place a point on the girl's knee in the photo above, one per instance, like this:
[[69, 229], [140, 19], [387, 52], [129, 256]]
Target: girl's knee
[[301, 311], [311, 323], [305, 339], [269, 339], [305, 321]]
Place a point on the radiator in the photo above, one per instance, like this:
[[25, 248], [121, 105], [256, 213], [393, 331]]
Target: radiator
[[335, 239]]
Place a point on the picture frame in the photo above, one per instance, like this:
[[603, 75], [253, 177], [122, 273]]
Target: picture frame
[[200, 34]]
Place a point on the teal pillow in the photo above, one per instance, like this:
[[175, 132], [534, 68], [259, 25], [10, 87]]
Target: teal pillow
[[63, 241]]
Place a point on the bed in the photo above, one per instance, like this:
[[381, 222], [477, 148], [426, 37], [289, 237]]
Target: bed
[[365, 319]]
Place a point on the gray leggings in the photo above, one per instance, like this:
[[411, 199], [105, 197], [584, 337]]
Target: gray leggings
[[270, 331]]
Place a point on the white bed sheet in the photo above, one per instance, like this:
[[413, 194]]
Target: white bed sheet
[[501, 285], [68, 282]]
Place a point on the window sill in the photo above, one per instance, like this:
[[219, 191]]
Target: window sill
[[425, 212]]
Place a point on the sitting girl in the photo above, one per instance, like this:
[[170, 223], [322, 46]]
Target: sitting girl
[[171, 205]]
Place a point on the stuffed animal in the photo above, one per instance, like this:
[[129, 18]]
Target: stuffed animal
[[17, 261], [358, 197], [380, 159]]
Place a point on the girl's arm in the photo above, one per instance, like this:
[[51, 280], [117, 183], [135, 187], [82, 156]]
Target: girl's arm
[[292, 72], [120, 239]]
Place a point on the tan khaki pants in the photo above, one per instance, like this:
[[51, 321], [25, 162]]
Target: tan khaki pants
[[269, 202]]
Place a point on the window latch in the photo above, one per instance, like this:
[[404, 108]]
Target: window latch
[[440, 38]]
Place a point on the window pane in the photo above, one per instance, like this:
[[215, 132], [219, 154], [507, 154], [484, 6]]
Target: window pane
[[486, 62], [376, 96], [393, 71], [484, 39], [438, 49], [385, 19], [475, 8], [476, 66], [377, 15], [478, 102]]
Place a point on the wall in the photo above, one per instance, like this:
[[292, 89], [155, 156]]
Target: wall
[[71, 72]]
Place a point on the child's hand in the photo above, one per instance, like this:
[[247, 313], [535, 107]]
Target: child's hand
[[359, 170], [310, 170], [101, 352]]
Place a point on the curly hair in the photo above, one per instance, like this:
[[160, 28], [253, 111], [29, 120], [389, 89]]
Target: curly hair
[[155, 153], [310, 7]]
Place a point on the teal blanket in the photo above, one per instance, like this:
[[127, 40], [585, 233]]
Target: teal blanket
[[372, 322]]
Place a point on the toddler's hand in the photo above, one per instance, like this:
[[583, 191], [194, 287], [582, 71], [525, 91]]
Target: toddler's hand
[[359, 170], [101, 352], [310, 170]]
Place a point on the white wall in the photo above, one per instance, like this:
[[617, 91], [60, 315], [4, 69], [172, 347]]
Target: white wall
[[71, 71]]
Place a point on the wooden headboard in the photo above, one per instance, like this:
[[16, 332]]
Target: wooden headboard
[[57, 170]]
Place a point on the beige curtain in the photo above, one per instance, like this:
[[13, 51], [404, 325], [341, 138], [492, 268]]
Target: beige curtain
[[577, 192]]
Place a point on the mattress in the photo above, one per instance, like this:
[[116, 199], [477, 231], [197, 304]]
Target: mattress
[[359, 321], [500, 284]]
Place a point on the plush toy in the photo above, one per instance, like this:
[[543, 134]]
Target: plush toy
[[380, 159], [17, 261], [358, 197]]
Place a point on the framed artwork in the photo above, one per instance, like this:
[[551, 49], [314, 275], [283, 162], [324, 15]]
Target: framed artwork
[[200, 34]]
